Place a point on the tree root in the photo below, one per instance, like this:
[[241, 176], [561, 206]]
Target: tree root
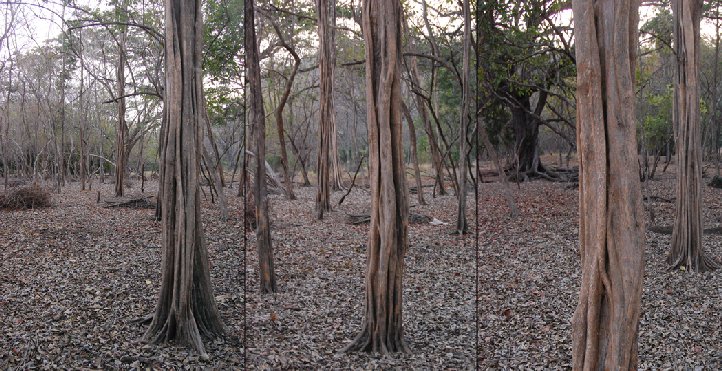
[[376, 343], [148, 318]]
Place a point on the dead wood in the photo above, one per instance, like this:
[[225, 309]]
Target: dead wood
[[134, 202]]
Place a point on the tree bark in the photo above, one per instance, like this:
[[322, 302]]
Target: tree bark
[[686, 248], [382, 329], [611, 229], [325, 66], [186, 309], [461, 224], [122, 128], [257, 117]]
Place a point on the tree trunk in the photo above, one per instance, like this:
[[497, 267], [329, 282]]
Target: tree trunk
[[526, 133], [323, 196], [611, 217], [382, 329], [287, 178], [257, 117], [686, 248], [433, 142], [335, 165], [186, 308], [215, 161], [414, 154], [122, 127], [461, 225]]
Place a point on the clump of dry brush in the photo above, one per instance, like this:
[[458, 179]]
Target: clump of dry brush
[[27, 197]]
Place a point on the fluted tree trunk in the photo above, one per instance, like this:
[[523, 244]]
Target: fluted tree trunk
[[686, 248], [611, 229], [186, 310], [382, 329], [257, 118], [326, 114]]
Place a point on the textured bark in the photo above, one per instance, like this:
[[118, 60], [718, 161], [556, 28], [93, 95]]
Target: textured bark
[[326, 131], [186, 309], [257, 116], [122, 128], [686, 248], [461, 224], [382, 330], [526, 134], [414, 155], [611, 229], [335, 165]]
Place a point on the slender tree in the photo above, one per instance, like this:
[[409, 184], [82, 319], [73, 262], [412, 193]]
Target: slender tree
[[186, 309], [611, 229], [122, 129], [326, 131], [382, 330], [461, 225], [687, 233], [257, 117]]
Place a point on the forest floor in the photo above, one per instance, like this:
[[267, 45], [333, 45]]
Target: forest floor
[[530, 274], [74, 277]]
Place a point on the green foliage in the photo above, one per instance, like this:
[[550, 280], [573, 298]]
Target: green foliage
[[657, 123]]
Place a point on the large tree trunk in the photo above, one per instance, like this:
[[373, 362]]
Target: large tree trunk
[[687, 234], [325, 66], [186, 308], [122, 128], [611, 218], [382, 329], [526, 134], [461, 225], [257, 117]]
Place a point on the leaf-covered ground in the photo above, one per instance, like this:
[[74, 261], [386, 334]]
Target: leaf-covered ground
[[74, 277], [530, 274]]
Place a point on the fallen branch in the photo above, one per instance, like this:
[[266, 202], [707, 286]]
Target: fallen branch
[[137, 202], [353, 181]]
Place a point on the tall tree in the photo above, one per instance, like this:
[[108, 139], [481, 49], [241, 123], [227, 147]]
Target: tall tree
[[687, 233], [461, 225], [326, 131], [122, 129], [611, 229], [258, 127], [186, 308], [382, 329]]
